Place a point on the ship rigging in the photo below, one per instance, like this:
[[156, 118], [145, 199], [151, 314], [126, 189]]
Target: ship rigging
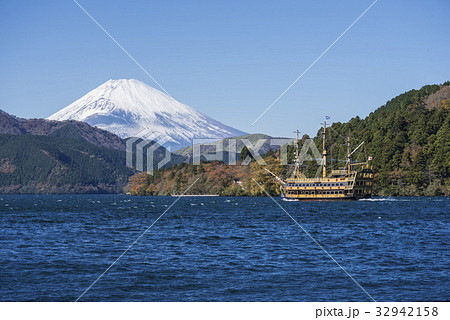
[[354, 181]]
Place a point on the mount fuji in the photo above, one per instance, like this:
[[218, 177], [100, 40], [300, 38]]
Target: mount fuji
[[130, 108]]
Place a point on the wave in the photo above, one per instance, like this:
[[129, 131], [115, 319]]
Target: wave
[[380, 199], [289, 200]]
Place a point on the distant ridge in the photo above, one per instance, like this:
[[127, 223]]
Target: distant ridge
[[221, 148], [10, 124], [129, 107]]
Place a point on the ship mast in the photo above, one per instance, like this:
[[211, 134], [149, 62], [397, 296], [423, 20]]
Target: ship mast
[[296, 147], [349, 155], [297, 160], [324, 152]]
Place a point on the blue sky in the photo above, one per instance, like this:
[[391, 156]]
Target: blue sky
[[227, 59]]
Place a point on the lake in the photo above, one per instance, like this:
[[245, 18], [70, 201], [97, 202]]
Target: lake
[[53, 247]]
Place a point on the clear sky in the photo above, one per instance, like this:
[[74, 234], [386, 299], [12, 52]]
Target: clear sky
[[228, 59]]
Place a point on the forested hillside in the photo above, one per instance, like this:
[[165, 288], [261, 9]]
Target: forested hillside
[[213, 178], [48, 164], [42, 156], [408, 139]]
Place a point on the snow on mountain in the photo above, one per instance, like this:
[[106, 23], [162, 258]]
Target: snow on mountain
[[130, 108]]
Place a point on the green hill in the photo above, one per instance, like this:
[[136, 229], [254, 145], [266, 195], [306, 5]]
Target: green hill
[[409, 140], [41, 156], [49, 164]]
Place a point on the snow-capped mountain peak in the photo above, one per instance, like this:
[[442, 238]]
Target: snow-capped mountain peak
[[129, 107]]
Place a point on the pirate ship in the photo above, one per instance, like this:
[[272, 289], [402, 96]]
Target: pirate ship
[[352, 182]]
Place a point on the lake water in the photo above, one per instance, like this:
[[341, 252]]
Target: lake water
[[53, 247]]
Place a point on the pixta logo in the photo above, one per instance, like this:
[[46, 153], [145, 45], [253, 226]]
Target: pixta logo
[[147, 151]]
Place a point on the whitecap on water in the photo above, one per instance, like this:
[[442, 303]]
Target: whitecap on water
[[289, 200], [380, 199]]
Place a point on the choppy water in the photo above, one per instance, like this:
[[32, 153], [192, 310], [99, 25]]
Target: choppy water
[[222, 249]]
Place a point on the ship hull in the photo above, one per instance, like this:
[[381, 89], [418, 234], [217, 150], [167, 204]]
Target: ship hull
[[321, 198]]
